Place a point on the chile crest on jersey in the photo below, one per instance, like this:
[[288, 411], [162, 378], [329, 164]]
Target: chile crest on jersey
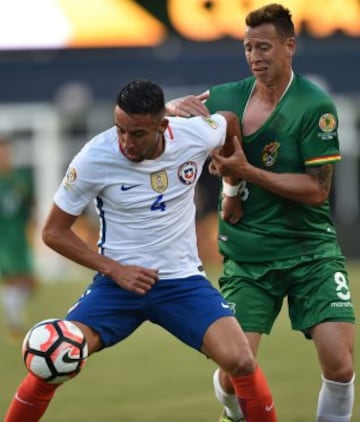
[[187, 172]]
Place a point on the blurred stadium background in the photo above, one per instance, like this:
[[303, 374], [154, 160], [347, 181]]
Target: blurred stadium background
[[63, 61]]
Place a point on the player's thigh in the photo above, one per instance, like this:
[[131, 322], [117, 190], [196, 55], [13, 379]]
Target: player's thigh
[[255, 292], [226, 344], [108, 310], [319, 292], [187, 308]]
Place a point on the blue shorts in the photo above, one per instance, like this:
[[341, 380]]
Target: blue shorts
[[185, 307]]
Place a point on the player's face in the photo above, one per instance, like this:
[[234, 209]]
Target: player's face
[[268, 54], [141, 136]]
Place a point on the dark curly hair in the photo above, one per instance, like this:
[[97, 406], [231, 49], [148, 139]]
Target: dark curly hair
[[141, 97]]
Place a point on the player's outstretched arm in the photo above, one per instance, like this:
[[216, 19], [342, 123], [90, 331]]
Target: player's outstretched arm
[[311, 188], [190, 105]]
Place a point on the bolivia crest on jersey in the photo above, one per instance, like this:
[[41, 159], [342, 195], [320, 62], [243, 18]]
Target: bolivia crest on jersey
[[187, 172], [270, 153], [159, 181]]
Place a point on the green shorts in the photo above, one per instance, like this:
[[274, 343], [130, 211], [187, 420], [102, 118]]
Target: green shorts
[[15, 261], [316, 288]]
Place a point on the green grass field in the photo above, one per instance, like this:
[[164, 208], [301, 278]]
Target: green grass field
[[151, 377]]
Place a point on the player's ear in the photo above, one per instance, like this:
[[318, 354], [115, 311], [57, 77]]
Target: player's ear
[[163, 125], [291, 46]]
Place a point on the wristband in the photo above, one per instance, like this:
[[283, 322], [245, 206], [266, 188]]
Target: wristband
[[230, 190]]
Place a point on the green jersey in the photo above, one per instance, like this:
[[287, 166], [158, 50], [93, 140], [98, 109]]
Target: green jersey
[[16, 198], [300, 132]]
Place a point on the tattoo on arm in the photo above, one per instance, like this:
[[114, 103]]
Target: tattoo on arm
[[323, 174]]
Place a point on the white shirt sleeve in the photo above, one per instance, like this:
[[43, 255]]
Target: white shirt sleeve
[[81, 184], [212, 130]]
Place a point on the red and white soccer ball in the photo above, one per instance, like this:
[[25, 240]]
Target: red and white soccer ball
[[54, 350]]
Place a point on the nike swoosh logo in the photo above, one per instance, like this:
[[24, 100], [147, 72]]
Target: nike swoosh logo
[[225, 306], [68, 359], [270, 408], [128, 187], [18, 398]]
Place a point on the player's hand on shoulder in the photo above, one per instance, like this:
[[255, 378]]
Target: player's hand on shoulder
[[135, 279], [231, 209], [190, 105]]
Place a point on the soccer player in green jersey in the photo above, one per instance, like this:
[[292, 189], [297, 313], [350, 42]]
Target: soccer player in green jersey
[[16, 267], [285, 244]]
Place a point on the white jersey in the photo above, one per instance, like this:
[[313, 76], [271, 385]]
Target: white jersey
[[146, 209]]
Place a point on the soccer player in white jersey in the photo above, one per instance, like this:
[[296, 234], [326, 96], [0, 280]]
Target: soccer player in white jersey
[[142, 173]]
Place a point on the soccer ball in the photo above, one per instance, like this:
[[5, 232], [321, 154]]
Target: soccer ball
[[54, 350]]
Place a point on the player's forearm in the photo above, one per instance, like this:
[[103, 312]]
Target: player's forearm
[[69, 245], [302, 188], [190, 105], [232, 130]]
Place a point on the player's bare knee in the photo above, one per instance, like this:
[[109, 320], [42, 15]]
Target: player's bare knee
[[240, 364], [342, 373], [92, 337]]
